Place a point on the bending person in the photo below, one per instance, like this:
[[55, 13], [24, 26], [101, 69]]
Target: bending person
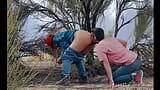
[[75, 45]]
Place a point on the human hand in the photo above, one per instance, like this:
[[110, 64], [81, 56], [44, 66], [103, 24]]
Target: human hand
[[111, 84], [59, 60]]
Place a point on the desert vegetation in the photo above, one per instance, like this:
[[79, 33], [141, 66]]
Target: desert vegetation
[[32, 63]]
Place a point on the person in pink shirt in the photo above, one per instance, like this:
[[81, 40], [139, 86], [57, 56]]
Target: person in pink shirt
[[113, 50]]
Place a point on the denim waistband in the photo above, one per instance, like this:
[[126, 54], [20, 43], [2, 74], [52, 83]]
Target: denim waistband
[[72, 55], [137, 59], [78, 53]]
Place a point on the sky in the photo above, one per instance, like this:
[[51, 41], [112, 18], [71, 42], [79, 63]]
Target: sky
[[31, 27], [107, 22]]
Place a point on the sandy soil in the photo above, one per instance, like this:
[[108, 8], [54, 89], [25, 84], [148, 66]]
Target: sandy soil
[[46, 81]]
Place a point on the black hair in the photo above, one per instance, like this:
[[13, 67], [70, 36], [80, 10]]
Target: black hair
[[99, 33]]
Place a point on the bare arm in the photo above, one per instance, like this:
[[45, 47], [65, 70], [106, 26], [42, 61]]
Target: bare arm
[[108, 70], [102, 56], [101, 52]]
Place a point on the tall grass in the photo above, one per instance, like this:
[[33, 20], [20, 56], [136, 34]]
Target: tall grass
[[16, 75]]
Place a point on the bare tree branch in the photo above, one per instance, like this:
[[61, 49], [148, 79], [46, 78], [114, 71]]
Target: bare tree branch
[[46, 25], [121, 6], [127, 22], [134, 8], [122, 19]]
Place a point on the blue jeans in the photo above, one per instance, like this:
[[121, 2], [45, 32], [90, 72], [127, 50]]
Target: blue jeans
[[64, 39], [71, 56], [123, 74]]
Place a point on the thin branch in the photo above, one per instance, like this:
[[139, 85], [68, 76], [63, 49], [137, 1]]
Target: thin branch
[[127, 22], [46, 25], [133, 8], [52, 13], [97, 9], [66, 14], [122, 19], [85, 7]]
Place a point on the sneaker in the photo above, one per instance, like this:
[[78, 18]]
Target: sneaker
[[64, 81], [83, 80], [138, 77]]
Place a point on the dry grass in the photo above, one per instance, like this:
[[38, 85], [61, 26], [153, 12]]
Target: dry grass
[[47, 81], [88, 87], [16, 75]]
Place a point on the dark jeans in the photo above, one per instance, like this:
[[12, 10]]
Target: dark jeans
[[71, 56], [123, 74]]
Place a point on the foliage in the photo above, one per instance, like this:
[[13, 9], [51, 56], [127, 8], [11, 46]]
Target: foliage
[[16, 75], [123, 5], [143, 22]]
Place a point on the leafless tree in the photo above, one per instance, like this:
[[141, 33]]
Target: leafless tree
[[69, 14], [123, 5]]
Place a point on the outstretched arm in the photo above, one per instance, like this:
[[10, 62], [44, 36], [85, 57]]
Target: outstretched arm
[[108, 70], [101, 52]]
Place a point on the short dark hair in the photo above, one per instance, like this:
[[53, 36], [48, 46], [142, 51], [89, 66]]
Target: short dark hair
[[99, 33]]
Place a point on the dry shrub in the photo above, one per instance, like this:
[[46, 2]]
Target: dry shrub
[[16, 75]]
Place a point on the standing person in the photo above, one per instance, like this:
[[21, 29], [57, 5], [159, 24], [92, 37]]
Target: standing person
[[76, 44], [113, 50]]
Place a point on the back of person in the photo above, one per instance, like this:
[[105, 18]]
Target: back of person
[[116, 52], [81, 41]]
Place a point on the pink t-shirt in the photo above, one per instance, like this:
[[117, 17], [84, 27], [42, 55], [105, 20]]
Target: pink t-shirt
[[115, 52]]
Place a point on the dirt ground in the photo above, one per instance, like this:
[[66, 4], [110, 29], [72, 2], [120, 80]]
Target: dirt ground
[[46, 81]]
